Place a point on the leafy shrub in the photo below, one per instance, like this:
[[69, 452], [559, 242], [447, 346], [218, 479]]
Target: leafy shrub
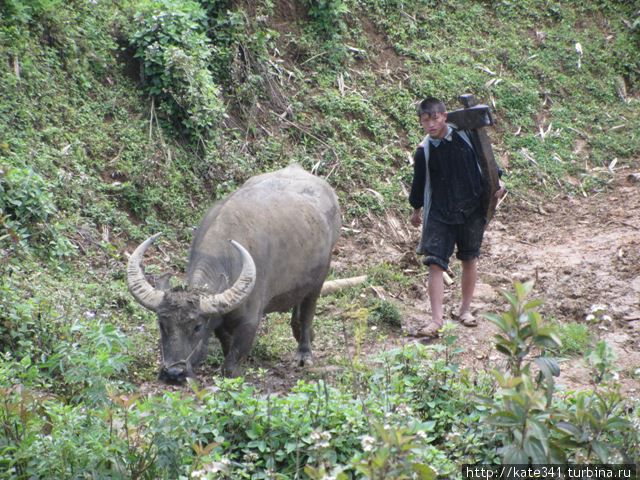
[[171, 42], [26, 208], [94, 357], [385, 312], [25, 200], [576, 338], [28, 326], [328, 15], [534, 426], [230, 430]]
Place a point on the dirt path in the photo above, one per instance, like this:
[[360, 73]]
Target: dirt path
[[581, 252]]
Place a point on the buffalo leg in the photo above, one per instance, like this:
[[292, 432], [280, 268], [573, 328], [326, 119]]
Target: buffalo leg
[[225, 339], [295, 322], [302, 327], [240, 346]]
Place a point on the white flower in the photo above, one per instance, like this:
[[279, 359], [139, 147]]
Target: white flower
[[221, 466], [251, 457], [606, 318], [368, 443], [320, 439]]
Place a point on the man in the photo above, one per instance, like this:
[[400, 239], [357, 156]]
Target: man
[[446, 195]]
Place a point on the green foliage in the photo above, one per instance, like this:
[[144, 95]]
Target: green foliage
[[391, 454], [601, 360], [522, 415], [95, 353], [411, 416], [576, 338], [232, 429], [328, 15], [29, 326], [87, 158], [385, 312], [520, 330], [594, 424], [27, 213], [533, 428], [170, 40]]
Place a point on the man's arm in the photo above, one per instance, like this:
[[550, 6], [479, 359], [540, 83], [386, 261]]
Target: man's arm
[[416, 197]]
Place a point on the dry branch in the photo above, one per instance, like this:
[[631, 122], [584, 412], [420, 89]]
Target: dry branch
[[334, 285], [447, 279]]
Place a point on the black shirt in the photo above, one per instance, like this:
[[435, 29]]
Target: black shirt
[[456, 184]]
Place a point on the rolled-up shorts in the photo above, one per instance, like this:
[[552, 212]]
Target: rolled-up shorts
[[442, 238]]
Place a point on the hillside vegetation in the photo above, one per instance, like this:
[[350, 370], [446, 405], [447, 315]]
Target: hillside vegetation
[[120, 119]]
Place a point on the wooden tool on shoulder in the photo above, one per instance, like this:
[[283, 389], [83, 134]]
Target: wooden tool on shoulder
[[474, 118]]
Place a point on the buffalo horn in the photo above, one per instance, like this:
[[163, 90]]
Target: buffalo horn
[[142, 291], [226, 301]]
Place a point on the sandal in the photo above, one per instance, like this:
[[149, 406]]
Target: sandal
[[430, 330], [468, 320]]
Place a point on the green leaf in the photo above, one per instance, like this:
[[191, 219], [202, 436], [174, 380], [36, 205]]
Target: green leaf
[[601, 450], [497, 320], [505, 419], [514, 455], [424, 472], [512, 299], [533, 304], [617, 423], [535, 449], [548, 365], [570, 429], [549, 341], [503, 349]]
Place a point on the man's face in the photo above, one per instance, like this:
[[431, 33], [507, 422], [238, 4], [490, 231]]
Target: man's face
[[434, 124]]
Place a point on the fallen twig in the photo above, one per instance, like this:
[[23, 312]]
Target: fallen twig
[[332, 286]]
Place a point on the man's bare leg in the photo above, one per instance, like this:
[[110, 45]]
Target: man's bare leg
[[436, 293], [469, 279]]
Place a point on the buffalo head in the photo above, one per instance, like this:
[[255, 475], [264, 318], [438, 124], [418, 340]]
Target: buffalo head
[[186, 317]]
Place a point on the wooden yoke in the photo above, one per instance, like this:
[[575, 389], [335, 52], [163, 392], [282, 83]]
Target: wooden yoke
[[473, 118]]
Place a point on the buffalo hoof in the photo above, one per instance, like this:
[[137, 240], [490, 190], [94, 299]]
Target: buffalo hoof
[[230, 371], [304, 359]]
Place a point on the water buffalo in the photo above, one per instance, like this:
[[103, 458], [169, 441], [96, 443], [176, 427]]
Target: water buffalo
[[265, 248]]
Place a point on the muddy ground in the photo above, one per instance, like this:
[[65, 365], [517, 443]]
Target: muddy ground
[[581, 251]]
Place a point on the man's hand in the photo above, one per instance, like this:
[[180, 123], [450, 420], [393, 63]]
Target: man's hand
[[502, 190], [416, 217]]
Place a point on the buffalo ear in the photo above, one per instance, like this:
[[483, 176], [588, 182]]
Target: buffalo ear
[[163, 282]]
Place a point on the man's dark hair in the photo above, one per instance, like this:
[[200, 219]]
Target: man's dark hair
[[431, 105]]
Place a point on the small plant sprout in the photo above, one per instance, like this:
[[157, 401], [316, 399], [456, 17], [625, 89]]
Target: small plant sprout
[[598, 314]]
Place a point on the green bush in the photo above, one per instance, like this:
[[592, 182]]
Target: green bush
[[171, 42], [576, 338], [385, 312], [533, 425], [25, 201], [230, 430], [27, 213], [328, 15], [29, 326]]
